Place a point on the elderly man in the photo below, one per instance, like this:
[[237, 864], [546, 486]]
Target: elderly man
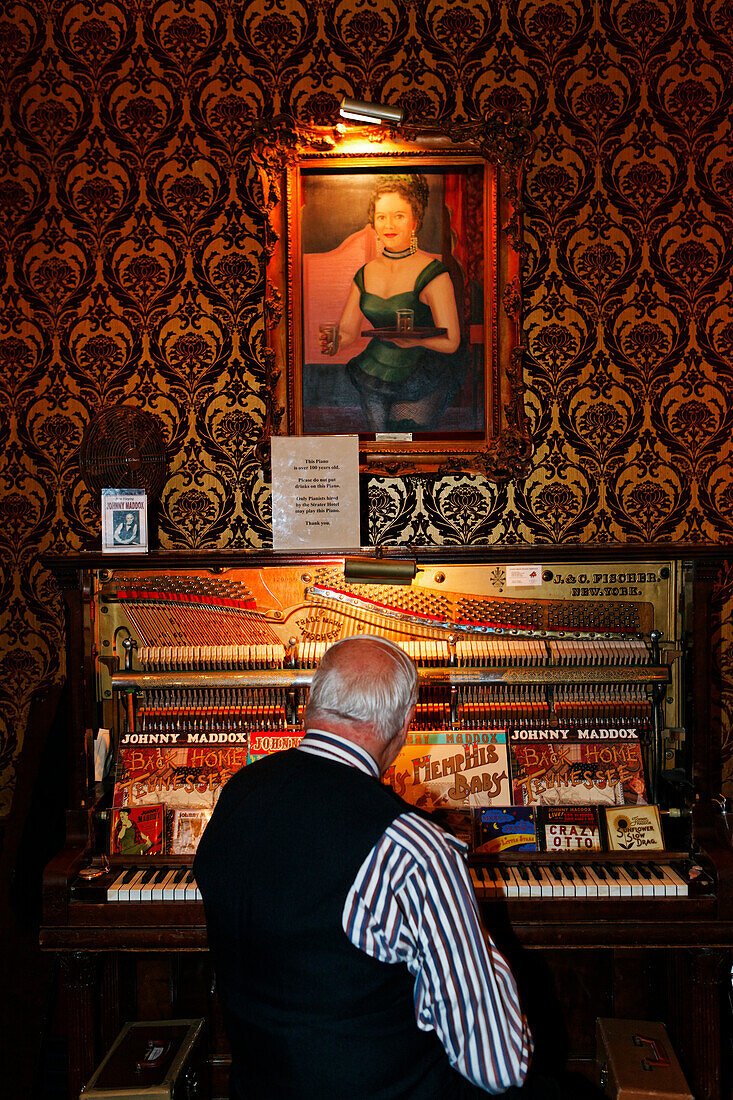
[[350, 960]]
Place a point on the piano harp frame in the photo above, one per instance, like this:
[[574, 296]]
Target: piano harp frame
[[685, 944]]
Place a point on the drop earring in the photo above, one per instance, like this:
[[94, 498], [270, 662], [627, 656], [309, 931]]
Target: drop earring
[[413, 243], [380, 245]]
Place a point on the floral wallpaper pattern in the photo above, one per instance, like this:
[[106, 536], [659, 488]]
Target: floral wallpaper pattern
[[132, 242]]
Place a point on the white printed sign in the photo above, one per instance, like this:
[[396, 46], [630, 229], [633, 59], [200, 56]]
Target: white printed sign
[[315, 492]]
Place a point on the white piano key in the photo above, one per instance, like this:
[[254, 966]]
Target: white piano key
[[655, 884], [191, 888], [663, 887], [179, 891], [158, 891], [477, 879], [517, 885], [600, 883], [621, 885], [504, 881], [640, 887], [137, 886], [145, 887], [549, 888], [169, 890], [576, 885], [679, 882], [490, 885], [113, 891], [586, 886], [152, 891], [561, 882], [537, 885], [524, 887], [131, 884], [494, 887]]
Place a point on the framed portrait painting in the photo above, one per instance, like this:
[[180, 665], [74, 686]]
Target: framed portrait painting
[[399, 271]]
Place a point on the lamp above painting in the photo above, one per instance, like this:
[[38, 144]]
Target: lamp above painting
[[356, 110]]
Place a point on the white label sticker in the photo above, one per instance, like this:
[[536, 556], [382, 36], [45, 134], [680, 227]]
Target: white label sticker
[[522, 576]]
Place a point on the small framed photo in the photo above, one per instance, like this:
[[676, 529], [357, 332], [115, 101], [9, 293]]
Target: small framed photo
[[124, 522]]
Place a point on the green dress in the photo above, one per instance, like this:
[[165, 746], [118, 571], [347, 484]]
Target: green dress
[[386, 374]]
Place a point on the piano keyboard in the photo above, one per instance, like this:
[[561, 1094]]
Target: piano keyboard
[[530, 879], [154, 884], [581, 880]]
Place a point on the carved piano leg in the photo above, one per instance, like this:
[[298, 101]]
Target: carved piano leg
[[79, 976], [697, 979]]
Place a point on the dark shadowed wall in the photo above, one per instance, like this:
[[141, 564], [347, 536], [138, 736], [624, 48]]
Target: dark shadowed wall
[[131, 232]]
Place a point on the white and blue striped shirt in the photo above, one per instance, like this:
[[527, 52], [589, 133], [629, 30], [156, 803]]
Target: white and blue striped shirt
[[412, 902]]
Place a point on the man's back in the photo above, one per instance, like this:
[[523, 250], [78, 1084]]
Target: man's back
[[308, 1013]]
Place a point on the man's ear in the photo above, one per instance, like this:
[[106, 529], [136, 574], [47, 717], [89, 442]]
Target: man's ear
[[408, 721]]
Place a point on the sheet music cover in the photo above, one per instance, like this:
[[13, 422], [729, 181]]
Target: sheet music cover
[[505, 828], [269, 741], [442, 775], [186, 830], [634, 829], [137, 831], [188, 776], [569, 828], [577, 773], [124, 522]]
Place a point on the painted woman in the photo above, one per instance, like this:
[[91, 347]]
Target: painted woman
[[404, 382]]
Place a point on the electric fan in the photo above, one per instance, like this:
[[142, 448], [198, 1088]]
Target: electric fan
[[123, 448]]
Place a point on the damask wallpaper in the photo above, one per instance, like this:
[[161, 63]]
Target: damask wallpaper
[[132, 235]]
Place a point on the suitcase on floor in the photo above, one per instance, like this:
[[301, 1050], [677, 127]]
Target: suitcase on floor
[[635, 1061], [151, 1060]]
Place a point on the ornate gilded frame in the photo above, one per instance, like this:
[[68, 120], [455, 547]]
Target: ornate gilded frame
[[283, 149]]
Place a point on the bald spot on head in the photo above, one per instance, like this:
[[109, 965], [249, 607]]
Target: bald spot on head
[[365, 689]]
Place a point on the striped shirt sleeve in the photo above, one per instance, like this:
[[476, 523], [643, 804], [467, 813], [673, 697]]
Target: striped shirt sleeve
[[412, 902]]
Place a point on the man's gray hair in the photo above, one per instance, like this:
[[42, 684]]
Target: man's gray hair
[[365, 680]]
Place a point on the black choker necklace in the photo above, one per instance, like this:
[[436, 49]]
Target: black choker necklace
[[397, 255]]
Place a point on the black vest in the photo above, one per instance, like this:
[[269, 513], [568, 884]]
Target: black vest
[[308, 1015]]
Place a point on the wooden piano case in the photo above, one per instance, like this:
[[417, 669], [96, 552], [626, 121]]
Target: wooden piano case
[[155, 643]]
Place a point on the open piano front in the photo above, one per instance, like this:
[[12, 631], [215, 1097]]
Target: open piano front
[[209, 656]]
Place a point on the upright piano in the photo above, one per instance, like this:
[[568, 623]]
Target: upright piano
[[523, 638]]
